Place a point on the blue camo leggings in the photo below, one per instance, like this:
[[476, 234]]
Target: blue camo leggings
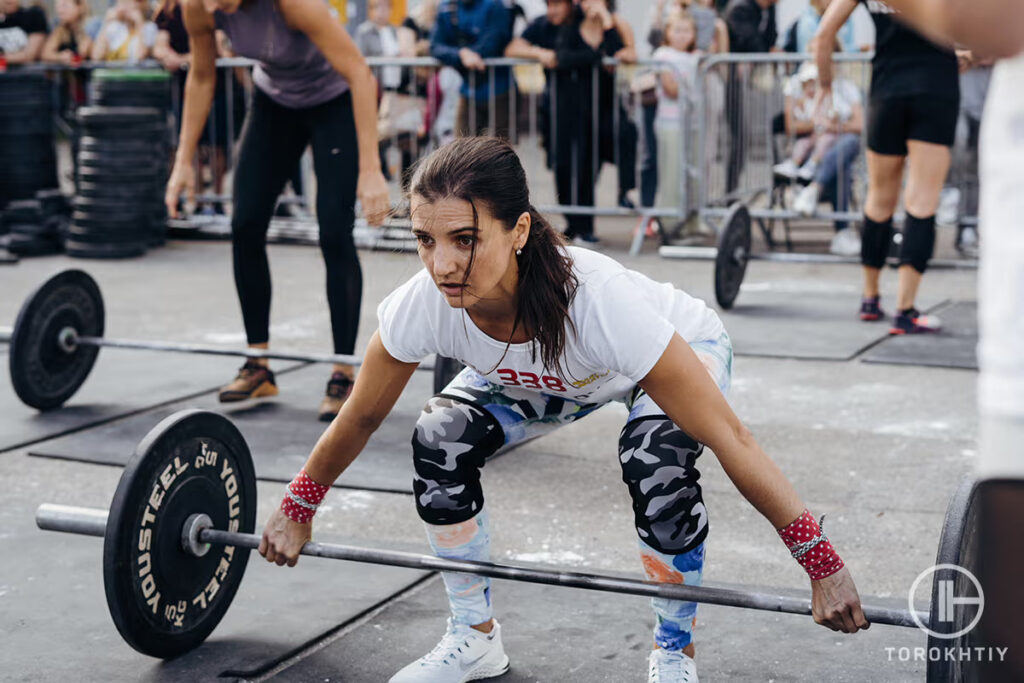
[[473, 418]]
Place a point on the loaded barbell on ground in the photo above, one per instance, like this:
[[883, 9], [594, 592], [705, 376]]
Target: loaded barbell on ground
[[59, 331], [180, 527]]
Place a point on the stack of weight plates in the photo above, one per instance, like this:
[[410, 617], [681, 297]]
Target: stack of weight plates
[[36, 226], [131, 88], [28, 161], [122, 169]]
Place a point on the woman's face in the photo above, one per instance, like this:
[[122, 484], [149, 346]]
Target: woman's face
[[681, 35], [447, 237], [559, 11], [226, 6], [68, 11], [381, 14]]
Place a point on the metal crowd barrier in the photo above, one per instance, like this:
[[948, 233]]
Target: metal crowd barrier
[[731, 136]]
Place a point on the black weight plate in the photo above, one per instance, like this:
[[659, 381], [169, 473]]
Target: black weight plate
[[163, 600], [115, 115], [23, 211], [82, 235], [733, 254], [104, 251], [99, 176], [958, 546], [26, 125], [107, 98], [123, 223], [104, 207], [445, 370], [52, 202], [31, 229], [43, 374], [128, 194], [119, 144], [122, 163], [33, 245]]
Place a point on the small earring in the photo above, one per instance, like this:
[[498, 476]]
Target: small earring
[[519, 252]]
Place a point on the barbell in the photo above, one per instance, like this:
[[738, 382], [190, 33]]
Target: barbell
[[59, 331], [177, 536]]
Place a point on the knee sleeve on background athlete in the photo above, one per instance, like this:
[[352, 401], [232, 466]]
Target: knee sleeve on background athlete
[[450, 443], [875, 240], [918, 242]]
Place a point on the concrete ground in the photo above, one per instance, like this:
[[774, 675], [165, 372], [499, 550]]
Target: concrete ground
[[878, 448]]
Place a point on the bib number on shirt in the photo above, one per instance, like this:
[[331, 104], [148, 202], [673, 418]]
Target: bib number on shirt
[[529, 380]]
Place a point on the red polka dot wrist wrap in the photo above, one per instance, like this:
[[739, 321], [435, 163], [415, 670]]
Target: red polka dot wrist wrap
[[810, 547], [302, 498]]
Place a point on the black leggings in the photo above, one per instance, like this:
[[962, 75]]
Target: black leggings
[[273, 140]]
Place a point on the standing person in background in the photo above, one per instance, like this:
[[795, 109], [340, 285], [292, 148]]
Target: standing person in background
[[752, 29], [974, 83], [69, 43], [585, 125], [675, 88], [912, 113], [467, 32], [125, 35], [376, 37], [311, 87], [414, 33], [22, 32], [799, 34]]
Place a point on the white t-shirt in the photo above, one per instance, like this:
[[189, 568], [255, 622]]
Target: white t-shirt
[[624, 321], [685, 64]]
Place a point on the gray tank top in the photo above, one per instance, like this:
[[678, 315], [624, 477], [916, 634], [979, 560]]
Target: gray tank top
[[291, 71]]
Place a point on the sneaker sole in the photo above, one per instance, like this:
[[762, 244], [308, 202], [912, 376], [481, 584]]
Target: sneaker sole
[[488, 672], [870, 317], [262, 391]]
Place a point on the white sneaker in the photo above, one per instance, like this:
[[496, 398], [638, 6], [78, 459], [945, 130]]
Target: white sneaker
[[845, 243], [807, 171], [671, 666], [787, 169], [464, 654], [968, 242], [806, 202], [948, 212]]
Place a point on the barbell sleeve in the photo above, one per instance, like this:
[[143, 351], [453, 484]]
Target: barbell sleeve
[[92, 522]]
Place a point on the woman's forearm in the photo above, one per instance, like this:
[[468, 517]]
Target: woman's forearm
[[759, 479], [339, 445], [364, 109], [199, 91]]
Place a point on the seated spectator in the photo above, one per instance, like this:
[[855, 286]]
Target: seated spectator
[[126, 35], [843, 119], [69, 43], [467, 32], [22, 32], [811, 142]]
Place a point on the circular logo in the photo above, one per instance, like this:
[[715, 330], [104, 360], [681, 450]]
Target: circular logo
[[947, 602]]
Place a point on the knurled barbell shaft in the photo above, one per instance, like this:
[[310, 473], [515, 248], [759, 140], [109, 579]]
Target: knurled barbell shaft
[[92, 522], [341, 359]]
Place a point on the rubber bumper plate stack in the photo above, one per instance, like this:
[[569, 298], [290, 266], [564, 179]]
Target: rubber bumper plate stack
[[28, 161], [122, 169]]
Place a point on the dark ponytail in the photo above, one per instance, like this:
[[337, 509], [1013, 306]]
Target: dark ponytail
[[488, 171]]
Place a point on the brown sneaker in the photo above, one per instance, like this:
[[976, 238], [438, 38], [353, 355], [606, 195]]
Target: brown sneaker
[[339, 388], [253, 381]]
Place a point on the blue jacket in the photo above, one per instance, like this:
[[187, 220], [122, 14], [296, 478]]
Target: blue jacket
[[485, 27]]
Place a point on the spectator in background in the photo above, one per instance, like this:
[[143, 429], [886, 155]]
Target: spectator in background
[[414, 33], [538, 42], [675, 87], [467, 32], [833, 137], [594, 32], [712, 36], [126, 35], [376, 37], [798, 35], [974, 82], [752, 29], [69, 43], [22, 32]]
